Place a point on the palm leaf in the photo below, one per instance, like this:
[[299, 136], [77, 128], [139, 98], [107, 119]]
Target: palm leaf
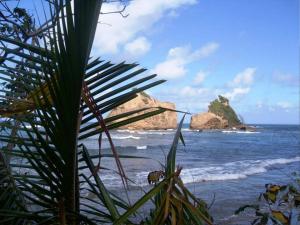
[[56, 97], [51, 110], [173, 202]]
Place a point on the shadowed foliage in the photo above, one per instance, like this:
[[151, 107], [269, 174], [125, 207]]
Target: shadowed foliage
[[279, 204], [46, 174]]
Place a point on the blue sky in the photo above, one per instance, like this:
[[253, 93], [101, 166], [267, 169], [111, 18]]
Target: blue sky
[[245, 50]]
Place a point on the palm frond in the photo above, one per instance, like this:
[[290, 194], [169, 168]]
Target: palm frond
[[61, 90], [174, 204], [51, 150]]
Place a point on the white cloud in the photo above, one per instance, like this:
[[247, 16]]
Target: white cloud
[[200, 77], [170, 69], [236, 93], [280, 106], [185, 53], [175, 64], [286, 79], [189, 91], [206, 50], [137, 47], [259, 104], [246, 77], [240, 85], [284, 105], [114, 31], [188, 98]]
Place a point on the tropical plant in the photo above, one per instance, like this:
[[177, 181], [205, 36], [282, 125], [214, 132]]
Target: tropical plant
[[63, 94], [174, 203], [15, 23], [279, 204]]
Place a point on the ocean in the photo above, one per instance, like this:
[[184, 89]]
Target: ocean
[[226, 169]]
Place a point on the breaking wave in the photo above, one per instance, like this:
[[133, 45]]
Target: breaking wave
[[227, 171], [124, 137], [233, 170], [240, 132]]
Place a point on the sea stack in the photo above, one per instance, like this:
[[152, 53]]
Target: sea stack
[[207, 120], [166, 120], [220, 115]]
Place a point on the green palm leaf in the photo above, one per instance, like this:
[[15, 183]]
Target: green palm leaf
[[54, 113]]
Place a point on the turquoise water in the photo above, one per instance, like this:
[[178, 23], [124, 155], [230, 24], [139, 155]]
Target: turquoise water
[[231, 168]]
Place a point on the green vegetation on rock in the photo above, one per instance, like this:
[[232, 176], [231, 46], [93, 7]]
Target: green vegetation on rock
[[143, 93], [222, 108]]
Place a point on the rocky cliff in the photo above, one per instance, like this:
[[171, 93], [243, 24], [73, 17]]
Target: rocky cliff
[[166, 120], [220, 115], [207, 120]]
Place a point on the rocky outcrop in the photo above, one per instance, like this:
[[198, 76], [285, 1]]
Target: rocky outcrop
[[222, 108], [207, 120], [220, 115], [165, 120]]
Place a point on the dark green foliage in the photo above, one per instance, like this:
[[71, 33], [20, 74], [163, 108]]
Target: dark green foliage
[[143, 93], [279, 205], [10, 195], [223, 99], [222, 108], [46, 141], [16, 22], [59, 90], [174, 203]]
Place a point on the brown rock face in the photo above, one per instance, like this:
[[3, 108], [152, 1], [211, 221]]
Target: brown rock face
[[166, 120], [208, 120]]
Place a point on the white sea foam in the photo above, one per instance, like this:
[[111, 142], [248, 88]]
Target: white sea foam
[[228, 131], [157, 132], [186, 129], [228, 171], [125, 137], [240, 132], [126, 131], [247, 132], [233, 170]]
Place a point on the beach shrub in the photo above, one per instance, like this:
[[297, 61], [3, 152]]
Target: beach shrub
[[279, 204]]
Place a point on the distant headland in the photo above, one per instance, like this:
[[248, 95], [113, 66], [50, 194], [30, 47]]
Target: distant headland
[[163, 121], [220, 115]]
